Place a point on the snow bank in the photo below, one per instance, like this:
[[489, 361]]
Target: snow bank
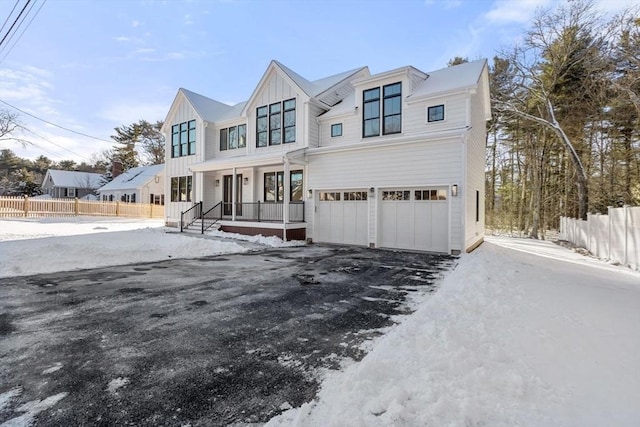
[[511, 338], [64, 244]]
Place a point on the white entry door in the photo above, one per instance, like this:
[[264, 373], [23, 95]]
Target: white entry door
[[341, 217], [415, 219]]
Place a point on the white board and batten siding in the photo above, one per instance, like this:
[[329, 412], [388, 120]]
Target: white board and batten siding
[[179, 166], [422, 165]]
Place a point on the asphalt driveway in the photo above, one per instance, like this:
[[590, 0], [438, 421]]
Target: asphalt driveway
[[210, 341]]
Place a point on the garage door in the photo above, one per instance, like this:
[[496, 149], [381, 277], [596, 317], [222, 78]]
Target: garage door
[[415, 219], [341, 217]]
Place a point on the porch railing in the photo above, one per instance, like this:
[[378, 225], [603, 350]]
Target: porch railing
[[190, 216], [247, 211], [263, 211]]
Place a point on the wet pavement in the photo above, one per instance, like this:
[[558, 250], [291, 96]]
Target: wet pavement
[[225, 340]]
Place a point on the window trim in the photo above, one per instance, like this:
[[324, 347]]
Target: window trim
[[269, 113], [336, 126], [180, 148], [241, 137], [444, 116], [384, 115], [364, 108], [177, 184], [277, 176]]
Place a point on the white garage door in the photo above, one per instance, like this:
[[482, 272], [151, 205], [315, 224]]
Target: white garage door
[[341, 217], [415, 219]]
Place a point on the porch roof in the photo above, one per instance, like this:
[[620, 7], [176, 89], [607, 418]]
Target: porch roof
[[268, 159]]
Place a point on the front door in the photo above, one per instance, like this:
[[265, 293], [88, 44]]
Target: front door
[[227, 199]]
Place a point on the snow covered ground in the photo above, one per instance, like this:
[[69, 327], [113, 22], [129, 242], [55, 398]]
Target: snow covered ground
[[522, 332], [47, 245]]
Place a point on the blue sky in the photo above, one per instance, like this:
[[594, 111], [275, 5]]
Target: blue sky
[[96, 64]]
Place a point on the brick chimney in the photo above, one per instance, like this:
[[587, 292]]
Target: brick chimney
[[116, 168]]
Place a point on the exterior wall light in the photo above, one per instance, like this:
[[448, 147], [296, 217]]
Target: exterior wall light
[[246, 180], [217, 183], [372, 190], [309, 193], [454, 190]]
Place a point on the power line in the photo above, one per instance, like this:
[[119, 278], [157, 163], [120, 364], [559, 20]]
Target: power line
[[14, 22], [57, 145], [9, 16], [58, 126], [23, 31]]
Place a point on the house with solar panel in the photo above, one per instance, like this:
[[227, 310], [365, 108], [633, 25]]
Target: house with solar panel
[[387, 160], [143, 184]]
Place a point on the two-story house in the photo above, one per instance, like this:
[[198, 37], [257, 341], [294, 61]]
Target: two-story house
[[390, 160]]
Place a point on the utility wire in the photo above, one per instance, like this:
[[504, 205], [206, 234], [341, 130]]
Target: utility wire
[[23, 31], [58, 126], [57, 145], [9, 16], [14, 22]]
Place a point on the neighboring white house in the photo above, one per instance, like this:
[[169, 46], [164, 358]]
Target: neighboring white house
[[61, 184], [390, 160], [143, 184]]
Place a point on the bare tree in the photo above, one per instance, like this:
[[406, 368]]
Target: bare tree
[[559, 57]]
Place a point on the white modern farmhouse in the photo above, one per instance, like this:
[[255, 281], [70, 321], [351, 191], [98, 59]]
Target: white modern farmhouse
[[390, 160]]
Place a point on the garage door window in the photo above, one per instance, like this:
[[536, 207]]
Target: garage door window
[[327, 196], [355, 195], [396, 195], [430, 195]]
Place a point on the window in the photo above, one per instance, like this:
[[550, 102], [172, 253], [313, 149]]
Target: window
[[396, 195], [371, 115], [233, 137], [71, 192], [355, 195], [289, 107], [274, 186], [262, 127], [435, 113], [183, 139], [156, 199], [329, 197], [181, 188], [336, 130], [391, 110], [431, 194], [477, 205], [223, 139], [276, 123]]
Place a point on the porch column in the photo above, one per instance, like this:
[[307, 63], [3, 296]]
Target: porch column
[[233, 195], [286, 198]]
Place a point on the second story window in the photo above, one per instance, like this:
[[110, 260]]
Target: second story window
[[276, 123], [183, 139], [233, 137], [390, 110]]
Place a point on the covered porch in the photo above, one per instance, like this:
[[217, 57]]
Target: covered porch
[[257, 195]]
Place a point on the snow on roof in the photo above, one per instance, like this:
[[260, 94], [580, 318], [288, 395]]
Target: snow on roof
[[451, 78], [74, 179], [209, 109], [346, 106], [132, 178]]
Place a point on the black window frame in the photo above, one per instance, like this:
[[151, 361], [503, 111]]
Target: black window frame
[[366, 118], [262, 115], [278, 121], [277, 177], [435, 109], [334, 127], [388, 116], [225, 137], [181, 188], [183, 139]]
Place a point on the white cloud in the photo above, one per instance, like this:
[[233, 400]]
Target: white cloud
[[445, 4], [521, 11], [188, 20], [136, 23], [29, 88]]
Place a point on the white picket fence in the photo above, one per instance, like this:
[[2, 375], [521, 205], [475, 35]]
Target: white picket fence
[[34, 207], [614, 237]]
